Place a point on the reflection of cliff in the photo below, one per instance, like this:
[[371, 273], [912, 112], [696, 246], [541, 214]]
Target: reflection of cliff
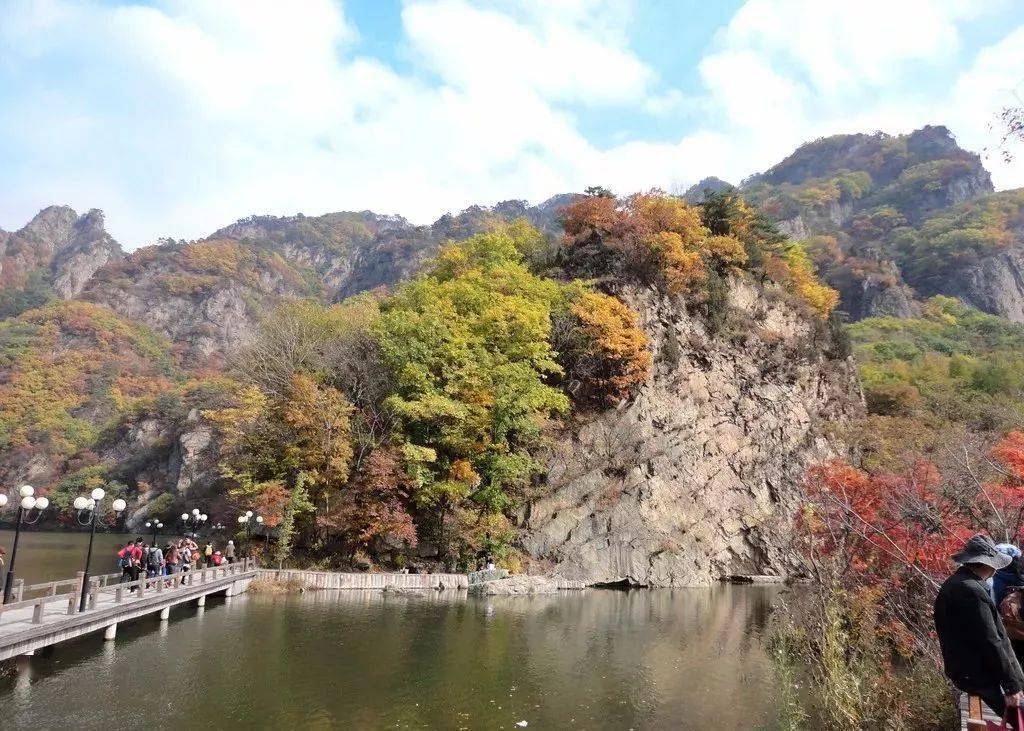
[[594, 659]]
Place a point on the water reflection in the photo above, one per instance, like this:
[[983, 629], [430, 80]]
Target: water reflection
[[363, 660]]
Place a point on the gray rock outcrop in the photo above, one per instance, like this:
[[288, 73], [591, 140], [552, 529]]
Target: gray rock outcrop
[[516, 586], [67, 249], [994, 284], [697, 477]]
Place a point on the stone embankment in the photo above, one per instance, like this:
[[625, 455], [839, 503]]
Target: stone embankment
[[339, 580], [491, 583]]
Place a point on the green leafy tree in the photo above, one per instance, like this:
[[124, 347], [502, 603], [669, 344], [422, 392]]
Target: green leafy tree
[[469, 345]]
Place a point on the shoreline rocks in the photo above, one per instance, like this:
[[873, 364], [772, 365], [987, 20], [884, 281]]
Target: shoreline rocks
[[516, 586]]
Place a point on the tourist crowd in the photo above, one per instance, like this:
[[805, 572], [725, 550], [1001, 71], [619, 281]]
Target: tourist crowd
[[177, 556], [980, 627]]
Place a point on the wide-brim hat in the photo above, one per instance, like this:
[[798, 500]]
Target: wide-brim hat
[[981, 549]]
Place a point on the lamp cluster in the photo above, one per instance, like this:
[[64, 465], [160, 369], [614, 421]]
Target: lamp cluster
[[89, 503], [28, 501]]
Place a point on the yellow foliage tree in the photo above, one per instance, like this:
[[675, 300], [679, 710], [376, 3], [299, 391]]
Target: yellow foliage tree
[[613, 357]]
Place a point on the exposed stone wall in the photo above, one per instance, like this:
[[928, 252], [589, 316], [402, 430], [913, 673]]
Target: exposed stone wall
[[697, 476]]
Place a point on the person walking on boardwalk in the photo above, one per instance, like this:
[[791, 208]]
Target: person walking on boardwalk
[[208, 554], [125, 558], [229, 552], [154, 562], [976, 651]]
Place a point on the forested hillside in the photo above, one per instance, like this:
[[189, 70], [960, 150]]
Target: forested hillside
[[388, 392]]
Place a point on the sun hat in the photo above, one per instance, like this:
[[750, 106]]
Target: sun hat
[[981, 549]]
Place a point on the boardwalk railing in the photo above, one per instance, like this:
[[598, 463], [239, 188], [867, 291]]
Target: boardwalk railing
[[52, 588], [50, 592]]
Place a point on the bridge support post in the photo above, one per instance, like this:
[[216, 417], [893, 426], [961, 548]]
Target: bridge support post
[[110, 632], [165, 614], [201, 601]]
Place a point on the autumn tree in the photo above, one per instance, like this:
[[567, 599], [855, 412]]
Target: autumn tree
[[468, 344], [373, 510], [605, 352], [270, 443], [686, 250]]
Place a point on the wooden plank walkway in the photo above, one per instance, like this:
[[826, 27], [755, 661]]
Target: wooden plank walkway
[[981, 713], [30, 624]]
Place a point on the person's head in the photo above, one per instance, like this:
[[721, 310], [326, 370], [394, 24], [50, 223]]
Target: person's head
[[981, 570], [138, 541], [231, 543], [981, 556]]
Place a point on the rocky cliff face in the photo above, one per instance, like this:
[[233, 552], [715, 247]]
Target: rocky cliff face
[[67, 249], [695, 478], [351, 252], [205, 296], [995, 284]]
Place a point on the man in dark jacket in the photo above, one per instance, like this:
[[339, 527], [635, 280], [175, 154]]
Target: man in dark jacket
[[975, 649]]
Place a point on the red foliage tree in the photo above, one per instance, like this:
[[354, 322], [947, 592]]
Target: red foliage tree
[[372, 508]]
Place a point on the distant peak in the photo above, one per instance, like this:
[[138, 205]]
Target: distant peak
[[711, 184]]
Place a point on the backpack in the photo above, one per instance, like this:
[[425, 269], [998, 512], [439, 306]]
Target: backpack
[[153, 559], [124, 559]]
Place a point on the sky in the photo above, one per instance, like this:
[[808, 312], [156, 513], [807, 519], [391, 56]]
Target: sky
[[177, 117]]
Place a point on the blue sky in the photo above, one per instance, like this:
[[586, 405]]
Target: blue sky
[[178, 116]]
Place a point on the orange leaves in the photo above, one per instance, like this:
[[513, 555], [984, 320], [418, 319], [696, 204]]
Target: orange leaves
[[727, 251], [683, 268], [269, 500], [590, 213], [658, 238], [654, 212], [462, 471], [795, 271], [661, 240], [615, 356], [373, 507]]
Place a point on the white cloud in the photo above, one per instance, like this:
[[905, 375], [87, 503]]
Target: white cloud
[[554, 54], [181, 115]]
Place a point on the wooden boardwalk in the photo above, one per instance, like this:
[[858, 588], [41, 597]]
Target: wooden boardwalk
[[53, 615], [979, 714]]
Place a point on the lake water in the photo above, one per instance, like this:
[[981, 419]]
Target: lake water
[[599, 659], [49, 556]]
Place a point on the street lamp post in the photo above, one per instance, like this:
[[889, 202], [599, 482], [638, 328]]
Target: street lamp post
[[266, 531], [155, 525], [27, 504], [246, 520], [83, 504], [193, 520]]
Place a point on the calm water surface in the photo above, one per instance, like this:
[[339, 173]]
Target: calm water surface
[[600, 659], [49, 556]]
